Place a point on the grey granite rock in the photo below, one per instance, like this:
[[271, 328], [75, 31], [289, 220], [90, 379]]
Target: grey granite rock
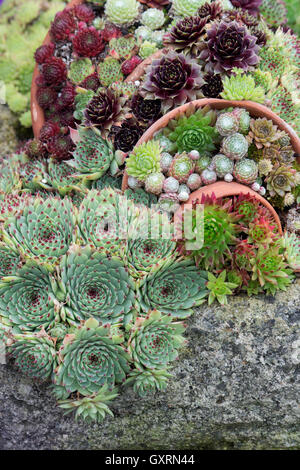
[[235, 386]]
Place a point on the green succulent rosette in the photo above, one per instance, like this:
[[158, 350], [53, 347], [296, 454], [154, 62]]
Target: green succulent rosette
[[44, 230], [174, 290], [34, 355], [93, 155], [150, 243], [10, 260], [90, 409], [194, 130], [104, 219], [107, 181], [140, 197], [144, 160], [94, 285], [155, 340], [89, 359], [32, 173], [27, 299], [60, 177], [9, 178], [148, 381]]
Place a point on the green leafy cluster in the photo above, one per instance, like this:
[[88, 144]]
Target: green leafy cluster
[[22, 26]]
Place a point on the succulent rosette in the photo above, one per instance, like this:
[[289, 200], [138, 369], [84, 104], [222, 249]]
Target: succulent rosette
[[95, 286], [27, 299], [44, 230], [104, 219], [148, 381], [252, 6], [186, 33], [150, 244], [93, 155], [105, 108], [174, 290], [10, 260], [89, 359], [126, 135], [144, 160], [194, 130], [174, 78], [154, 341], [229, 45], [34, 355], [61, 177], [146, 111]]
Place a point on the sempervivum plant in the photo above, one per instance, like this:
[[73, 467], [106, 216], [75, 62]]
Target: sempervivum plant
[[27, 299], [149, 245], [186, 33], [175, 289], [153, 344], [229, 45], [194, 130], [219, 288], [263, 132], [104, 108], [10, 260], [93, 155], [34, 355], [103, 220], [144, 160], [44, 230], [122, 12], [174, 78], [95, 285], [270, 269], [89, 359], [209, 240]]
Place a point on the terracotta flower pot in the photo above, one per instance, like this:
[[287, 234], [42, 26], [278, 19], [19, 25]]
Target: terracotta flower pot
[[37, 114]]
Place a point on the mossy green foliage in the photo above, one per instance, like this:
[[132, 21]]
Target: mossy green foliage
[[23, 25]]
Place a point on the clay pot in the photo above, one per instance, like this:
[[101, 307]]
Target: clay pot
[[37, 114], [223, 189]]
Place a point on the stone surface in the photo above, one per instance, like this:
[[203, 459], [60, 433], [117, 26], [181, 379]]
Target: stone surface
[[235, 386]]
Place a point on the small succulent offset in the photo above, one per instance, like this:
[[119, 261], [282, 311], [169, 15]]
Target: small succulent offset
[[219, 288], [242, 87]]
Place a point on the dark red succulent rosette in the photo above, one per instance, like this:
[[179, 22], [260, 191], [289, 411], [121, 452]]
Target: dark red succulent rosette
[[186, 32], [160, 4], [66, 97], [103, 110], [145, 111], [46, 96], [111, 31], [60, 147], [54, 71], [84, 13], [229, 45], [252, 6], [43, 53], [129, 65], [210, 11], [48, 131], [213, 86], [88, 42], [63, 25], [174, 78], [126, 135], [91, 82]]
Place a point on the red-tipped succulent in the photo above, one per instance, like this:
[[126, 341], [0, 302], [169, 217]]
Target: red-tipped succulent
[[54, 71], [45, 97], [43, 53], [88, 42], [63, 25], [84, 13]]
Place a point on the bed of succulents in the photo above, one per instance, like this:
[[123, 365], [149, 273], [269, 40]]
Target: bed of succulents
[[201, 146], [96, 283]]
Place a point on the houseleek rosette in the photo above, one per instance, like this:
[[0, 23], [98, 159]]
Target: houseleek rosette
[[9, 260], [175, 289], [104, 219], [89, 359], [44, 230], [154, 341], [92, 156], [148, 381], [96, 286], [34, 355], [90, 409], [60, 177], [27, 299], [150, 244]]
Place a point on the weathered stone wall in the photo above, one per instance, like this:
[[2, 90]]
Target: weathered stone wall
[[236, 386]]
